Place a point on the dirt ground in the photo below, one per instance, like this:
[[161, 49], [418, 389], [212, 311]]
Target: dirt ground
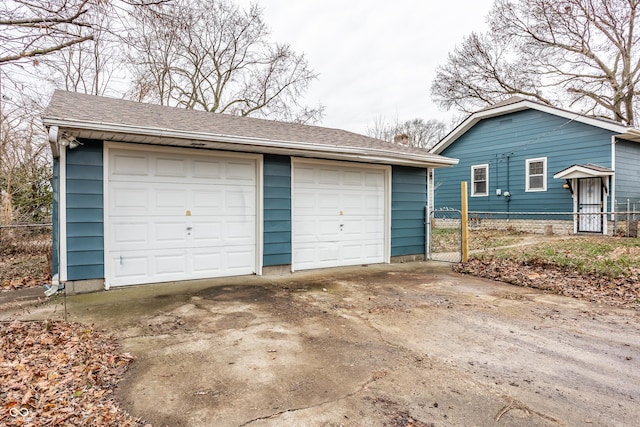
[[400, 345]]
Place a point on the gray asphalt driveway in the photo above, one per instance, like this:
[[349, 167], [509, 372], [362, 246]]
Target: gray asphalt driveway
[[400, 345]]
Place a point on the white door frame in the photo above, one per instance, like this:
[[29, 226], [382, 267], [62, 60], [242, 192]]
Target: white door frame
[[107, 145]]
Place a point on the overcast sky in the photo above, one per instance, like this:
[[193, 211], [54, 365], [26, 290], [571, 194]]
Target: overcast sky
[[375, 58]]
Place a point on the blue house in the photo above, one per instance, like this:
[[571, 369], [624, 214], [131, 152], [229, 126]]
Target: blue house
[[520, 156], [145, 193]]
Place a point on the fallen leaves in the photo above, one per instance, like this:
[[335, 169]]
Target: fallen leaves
[[621, 291], [23, 271], [60, 373]]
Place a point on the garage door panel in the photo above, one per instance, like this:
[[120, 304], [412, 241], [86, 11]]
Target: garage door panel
[[206, 262], [211, 170], [237, 259], [168, 232], [208, 198], [124, 166], [170, 263], [176, 216], [170, 167], [130, 268], [352, 178], [238, 232], [128, 233], [374, 180], [129, 199], [339, 215], [172, 199], [240, 171], [207, 232]]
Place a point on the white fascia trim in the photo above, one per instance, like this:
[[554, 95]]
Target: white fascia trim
[[62, 216], [580, 172], [394, 156], [474, 118]]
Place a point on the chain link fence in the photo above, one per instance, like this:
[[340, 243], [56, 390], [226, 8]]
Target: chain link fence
[[25, 238], [445, 235]]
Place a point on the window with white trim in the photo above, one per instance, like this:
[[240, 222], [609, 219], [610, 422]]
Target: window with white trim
[[536, 171], [479, 180]]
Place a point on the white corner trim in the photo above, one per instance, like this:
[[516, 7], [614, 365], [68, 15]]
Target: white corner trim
[[62, 216], [259, 214], [612, 182], [387, 213], [106, 245]]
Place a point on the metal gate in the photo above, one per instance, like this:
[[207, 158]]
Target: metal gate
[[444, 235]]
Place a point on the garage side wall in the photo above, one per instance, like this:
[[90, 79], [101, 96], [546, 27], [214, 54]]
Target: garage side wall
[[277, 210], [408, 202], [84, 213]]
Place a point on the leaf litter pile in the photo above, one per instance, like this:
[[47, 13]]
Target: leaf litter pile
[[60, 373], [603, 270]]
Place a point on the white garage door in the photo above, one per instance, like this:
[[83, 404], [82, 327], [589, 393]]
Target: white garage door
[[338, 215], [174, 216]]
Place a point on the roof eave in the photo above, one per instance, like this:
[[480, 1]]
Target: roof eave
[[474, 118], [241, 143]]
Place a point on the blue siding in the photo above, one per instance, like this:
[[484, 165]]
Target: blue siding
[[85, 212], [627, 171], [505, 143], [277, 210], [55, 249], [408, 202]]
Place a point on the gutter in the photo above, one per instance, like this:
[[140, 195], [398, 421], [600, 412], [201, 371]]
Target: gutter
[[366, 153]]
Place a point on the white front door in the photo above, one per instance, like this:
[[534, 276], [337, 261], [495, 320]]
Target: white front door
[[590, 205], [176, 215], [338, 214]]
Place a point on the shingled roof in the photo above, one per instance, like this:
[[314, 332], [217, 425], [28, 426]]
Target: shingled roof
[[517, 103], [111, 119]]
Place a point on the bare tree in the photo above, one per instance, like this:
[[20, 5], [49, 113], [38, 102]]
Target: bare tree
[[31, 28], [25, 172], [575, 53], [211, 55], [414, 133]]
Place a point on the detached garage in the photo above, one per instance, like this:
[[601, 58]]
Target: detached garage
[[145, 194]]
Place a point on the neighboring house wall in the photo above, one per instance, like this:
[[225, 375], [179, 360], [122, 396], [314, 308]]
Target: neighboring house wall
[[505, 143], [85, 213], [277, 210], [408, 203], [627, 172]]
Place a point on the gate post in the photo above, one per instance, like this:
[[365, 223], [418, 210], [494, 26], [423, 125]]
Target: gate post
[[464, 221]]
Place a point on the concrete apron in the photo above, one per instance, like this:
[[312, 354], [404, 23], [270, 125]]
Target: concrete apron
[[402, 344]]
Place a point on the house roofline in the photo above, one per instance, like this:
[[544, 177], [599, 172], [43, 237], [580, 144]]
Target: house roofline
[[165, 136], [521, 105]]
